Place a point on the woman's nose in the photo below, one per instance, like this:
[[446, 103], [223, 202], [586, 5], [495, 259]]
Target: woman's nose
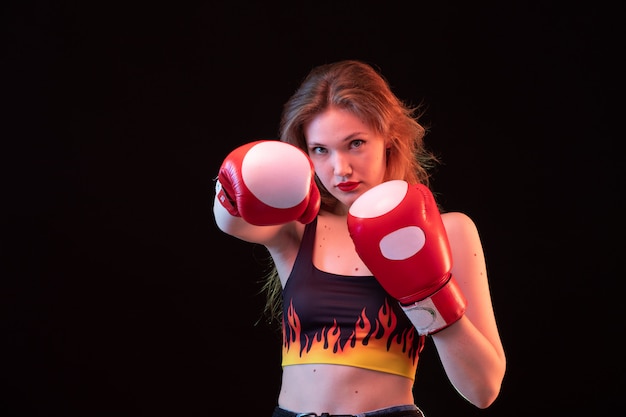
[[342, 167]]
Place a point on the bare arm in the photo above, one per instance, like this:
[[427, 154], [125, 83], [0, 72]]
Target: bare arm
[[282, 241], [239, 228], [471, 350]]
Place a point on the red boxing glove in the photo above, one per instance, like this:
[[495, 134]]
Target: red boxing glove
[[268, 182], [398, 232]]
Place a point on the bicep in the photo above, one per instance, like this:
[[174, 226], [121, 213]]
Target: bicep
[[470, 270]]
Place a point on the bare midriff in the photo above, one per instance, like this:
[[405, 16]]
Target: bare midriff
[[338, 389]]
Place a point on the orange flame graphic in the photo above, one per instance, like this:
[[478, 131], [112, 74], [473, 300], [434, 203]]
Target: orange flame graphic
[[327, 342]]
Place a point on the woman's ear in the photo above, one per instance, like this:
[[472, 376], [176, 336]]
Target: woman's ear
[[388, 147]]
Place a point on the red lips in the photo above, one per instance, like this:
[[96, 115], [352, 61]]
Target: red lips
[[347, 186]]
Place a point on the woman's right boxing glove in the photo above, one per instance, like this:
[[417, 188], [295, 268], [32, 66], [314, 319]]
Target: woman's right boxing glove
[[268, 182]]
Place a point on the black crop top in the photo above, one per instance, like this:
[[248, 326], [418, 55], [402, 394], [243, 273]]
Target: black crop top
[[344, 320]]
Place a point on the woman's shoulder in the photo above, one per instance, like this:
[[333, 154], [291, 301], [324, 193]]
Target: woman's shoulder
[[458, 224], [456, 217], [288, 237]]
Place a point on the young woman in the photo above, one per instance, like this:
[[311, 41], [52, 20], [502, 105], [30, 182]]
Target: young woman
[[351, 314]]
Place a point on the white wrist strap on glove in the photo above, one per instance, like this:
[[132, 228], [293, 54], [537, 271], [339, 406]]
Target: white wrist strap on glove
[[438, 311]]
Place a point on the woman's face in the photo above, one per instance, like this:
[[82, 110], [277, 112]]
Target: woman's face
[[349, 157]]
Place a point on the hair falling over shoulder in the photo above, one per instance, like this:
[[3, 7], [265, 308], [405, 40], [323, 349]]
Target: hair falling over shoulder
[[272, 288]]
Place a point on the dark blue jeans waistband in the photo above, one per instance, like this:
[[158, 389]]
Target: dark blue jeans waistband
[[395, 411]]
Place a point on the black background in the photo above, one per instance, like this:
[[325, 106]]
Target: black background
[[121, 298]]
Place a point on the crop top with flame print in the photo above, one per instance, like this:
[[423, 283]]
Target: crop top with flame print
[[344, 320]]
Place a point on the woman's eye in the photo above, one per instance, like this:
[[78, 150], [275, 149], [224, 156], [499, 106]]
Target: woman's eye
[[357, 143], [318, 150]]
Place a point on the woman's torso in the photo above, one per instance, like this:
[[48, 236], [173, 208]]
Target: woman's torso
[[334, 388]]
